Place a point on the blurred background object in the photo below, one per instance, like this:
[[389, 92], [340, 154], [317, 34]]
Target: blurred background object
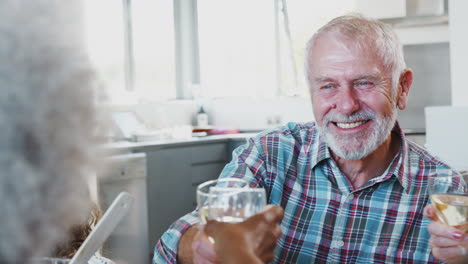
[[49, 126], [447, 134]]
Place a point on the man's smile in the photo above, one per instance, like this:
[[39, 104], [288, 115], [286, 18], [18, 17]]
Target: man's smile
[[350, 125]]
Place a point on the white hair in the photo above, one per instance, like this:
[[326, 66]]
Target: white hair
[[365, 33], [47, 124]]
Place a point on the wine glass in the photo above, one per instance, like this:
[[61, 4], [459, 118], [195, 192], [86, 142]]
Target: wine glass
[[235, 205], [449, 196], [229, 200]]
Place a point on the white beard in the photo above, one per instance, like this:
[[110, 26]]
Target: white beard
[[359, 145]]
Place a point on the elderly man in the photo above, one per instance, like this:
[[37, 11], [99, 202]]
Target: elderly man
[[353, 188]]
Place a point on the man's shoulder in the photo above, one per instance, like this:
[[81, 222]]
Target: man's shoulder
[[419, 154], [293, 137], [293, 130]]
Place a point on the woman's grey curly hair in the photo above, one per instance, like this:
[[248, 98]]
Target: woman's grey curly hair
[[47, 124]]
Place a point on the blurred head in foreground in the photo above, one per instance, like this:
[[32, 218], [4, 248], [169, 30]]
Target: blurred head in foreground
[[47, 125]]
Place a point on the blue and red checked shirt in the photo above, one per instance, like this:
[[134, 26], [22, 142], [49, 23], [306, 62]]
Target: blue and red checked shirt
[[326, 220]]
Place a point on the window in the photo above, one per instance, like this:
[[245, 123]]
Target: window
[[232, 47], [106, 46], [153, 49], [237, 48], [131, 44]]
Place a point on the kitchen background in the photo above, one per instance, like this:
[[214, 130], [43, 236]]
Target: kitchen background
[[235, 57], [158, 62]]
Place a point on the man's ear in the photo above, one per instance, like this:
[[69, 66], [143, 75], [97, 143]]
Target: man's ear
[[404, 85]]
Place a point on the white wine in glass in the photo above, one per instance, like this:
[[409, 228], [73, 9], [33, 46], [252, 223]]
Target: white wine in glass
[[449, 195], [229, 200], [235, 205], [205, 192]]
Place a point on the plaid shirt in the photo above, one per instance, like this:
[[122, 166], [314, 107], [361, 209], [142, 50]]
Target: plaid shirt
[[325, 220]]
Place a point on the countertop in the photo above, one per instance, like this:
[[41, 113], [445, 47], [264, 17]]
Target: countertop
[[141, 146]]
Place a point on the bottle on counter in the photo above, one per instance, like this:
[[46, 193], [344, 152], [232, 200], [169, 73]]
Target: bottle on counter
[[202, 117]]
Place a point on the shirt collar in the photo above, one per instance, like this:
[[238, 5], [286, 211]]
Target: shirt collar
[[401, 164], [319, 149], [398, 167]]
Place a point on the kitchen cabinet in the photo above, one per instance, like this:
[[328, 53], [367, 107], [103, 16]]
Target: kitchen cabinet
[[415, 21], [173, 175], [381, 8], [384, 9], [173, 169]]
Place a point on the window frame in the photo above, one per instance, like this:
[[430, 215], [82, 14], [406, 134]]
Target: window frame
[[187, 61]]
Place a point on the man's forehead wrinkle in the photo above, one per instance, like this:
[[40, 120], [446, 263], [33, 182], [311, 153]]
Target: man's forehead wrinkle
[[374, 74]]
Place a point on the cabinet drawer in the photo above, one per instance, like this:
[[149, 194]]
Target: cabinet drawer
[[209, 153]]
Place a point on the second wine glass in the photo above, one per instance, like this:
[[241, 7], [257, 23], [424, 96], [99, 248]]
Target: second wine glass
[[449, 195]]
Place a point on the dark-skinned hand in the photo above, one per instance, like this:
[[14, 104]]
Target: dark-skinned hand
[[250, 241]]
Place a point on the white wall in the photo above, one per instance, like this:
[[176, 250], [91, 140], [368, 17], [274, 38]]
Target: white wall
[[162, 114], [247, 113], [446, 134], [446, 127], [458, 51]]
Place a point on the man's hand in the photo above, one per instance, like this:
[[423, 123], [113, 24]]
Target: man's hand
[[448, 243], [251, 241]]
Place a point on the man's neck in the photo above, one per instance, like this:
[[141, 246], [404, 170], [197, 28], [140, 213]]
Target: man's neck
[[358, 172]]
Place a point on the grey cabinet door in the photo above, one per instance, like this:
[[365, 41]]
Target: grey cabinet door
[[173, 175], [169, 187]]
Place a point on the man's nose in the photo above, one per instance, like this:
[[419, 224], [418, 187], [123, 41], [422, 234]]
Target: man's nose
[[347, 101]]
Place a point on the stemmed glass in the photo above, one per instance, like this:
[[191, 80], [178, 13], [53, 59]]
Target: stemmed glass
[[449, 195], [229, 200]]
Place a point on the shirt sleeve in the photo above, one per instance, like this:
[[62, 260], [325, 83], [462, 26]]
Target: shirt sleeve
[[247, 163], [166, 248]]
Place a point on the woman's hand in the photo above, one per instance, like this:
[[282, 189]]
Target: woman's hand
[[448, 243]]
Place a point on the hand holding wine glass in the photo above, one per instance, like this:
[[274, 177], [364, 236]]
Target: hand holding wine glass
[[229, 200], [449, 195], [449, 212], [250, 241], [239, 214]]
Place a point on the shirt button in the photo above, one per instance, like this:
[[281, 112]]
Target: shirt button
[[351, 196], [340, 243]]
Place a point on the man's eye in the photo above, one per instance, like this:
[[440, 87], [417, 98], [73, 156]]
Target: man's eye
[[363, 83], [328, 86]]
